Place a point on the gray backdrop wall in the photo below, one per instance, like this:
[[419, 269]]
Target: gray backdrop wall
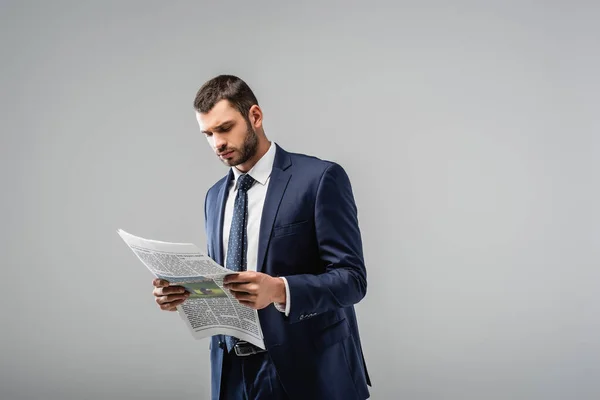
[[469, 131]]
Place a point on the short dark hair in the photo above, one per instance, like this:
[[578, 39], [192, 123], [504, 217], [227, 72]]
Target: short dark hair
[[225, 87]]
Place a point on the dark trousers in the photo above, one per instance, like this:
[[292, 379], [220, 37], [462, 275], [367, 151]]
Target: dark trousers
[[250, 378]]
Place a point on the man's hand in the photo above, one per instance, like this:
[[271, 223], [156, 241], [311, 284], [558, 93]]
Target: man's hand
[[255, 289], [169, 297]]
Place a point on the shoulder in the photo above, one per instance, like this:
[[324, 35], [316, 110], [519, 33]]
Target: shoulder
[[316, 175], [314, 166], [215, 187], [213, 191], [319, 172]]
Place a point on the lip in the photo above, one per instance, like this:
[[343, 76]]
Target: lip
[[226, 154]]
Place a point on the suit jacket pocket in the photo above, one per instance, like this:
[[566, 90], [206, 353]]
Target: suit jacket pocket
[[290, 229], [334, 333]]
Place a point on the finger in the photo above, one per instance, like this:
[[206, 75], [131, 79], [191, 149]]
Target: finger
[[169, 290], [230, 278], [171, 298], [241, 277], [171, 306], [160, 283], [248, 304], [244, 287], [237, 287], [244, 296]]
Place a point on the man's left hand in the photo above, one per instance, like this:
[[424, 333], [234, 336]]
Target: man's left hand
[[255, 289]]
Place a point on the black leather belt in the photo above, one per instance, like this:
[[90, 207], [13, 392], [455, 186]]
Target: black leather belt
[[244, 349]]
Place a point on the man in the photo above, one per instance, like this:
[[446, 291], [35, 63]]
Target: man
[[288, 223]]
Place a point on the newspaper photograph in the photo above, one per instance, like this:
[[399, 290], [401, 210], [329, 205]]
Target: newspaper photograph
[[210, 309]]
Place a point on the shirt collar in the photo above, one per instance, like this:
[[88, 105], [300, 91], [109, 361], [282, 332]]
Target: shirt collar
[[261, 170]]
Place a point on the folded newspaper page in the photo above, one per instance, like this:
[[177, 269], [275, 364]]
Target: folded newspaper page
[[211, 309]]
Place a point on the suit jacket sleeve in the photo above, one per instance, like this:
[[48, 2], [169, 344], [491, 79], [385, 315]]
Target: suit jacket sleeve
[[205, 224], [344, 281]]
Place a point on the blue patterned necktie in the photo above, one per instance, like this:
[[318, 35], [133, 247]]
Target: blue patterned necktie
[[237, 245]]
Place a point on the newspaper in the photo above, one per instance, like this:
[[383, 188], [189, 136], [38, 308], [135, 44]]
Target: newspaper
[[211, 309]]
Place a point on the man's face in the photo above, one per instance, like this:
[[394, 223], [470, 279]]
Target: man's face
[[229, 134]]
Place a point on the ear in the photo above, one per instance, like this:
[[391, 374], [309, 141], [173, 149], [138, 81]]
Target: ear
[[255, 116]]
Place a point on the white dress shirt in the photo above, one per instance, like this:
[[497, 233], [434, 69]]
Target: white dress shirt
[[261, 172]]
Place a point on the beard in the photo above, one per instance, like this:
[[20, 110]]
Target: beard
[[248, 149]]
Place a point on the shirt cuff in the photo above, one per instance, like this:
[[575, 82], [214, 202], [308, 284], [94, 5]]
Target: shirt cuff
[[281, 307]]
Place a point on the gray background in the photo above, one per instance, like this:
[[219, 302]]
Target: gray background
[[469, 131]]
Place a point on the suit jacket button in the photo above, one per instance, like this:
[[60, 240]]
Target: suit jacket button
[[222, 345]]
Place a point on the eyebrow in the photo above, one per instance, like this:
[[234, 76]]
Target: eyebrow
[[221, 126]]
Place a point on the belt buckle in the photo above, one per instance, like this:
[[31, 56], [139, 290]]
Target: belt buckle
[[244, 351]]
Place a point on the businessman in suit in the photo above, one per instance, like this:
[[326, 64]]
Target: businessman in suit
[[288, 223]]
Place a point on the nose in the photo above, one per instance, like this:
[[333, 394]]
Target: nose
[[219, 142]]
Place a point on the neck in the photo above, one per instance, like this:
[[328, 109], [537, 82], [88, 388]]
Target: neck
[[263, 147]]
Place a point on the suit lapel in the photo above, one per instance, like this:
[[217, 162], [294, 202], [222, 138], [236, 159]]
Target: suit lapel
[[220, 215], [280, 176]]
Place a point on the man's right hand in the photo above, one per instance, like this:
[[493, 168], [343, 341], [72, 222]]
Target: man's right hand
[[169, 297]]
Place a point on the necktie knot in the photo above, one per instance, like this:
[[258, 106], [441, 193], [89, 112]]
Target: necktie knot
[[245, 182]]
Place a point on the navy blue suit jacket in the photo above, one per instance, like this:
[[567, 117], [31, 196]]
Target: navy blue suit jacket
[[309, 234]]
